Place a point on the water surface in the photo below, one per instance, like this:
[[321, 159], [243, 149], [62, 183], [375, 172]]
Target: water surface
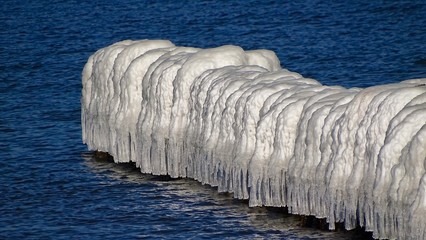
[[51, 188]]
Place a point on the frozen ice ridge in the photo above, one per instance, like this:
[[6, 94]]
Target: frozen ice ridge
[[236, 120]]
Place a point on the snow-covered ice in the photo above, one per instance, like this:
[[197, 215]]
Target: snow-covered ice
[[236, 120]]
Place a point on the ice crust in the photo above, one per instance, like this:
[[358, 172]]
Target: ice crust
[[236, 120]]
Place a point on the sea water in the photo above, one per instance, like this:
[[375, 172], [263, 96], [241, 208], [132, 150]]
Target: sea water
[[52, 188]]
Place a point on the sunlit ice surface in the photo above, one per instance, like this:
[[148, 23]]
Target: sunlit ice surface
[[238, 121]]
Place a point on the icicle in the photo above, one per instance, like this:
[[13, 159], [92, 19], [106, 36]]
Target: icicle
[[236, 120]]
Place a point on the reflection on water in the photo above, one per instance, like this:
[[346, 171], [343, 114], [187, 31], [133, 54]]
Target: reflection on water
[[47, 191], [189, 209]]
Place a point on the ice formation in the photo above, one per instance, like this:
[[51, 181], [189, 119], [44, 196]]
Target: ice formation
[[236, 120]]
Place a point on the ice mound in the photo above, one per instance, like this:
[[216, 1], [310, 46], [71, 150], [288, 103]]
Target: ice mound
[[236, 120]]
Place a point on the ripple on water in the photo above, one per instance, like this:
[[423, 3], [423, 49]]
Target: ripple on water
[[49, 191]]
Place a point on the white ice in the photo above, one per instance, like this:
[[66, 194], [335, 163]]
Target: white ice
[[236, 120]]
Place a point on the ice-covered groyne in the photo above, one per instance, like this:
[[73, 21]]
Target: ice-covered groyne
[[236, 120]]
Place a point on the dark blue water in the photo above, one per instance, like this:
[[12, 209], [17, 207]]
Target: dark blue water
[[50, 187]]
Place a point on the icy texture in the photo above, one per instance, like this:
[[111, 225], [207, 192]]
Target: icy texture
[[236, 120]]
